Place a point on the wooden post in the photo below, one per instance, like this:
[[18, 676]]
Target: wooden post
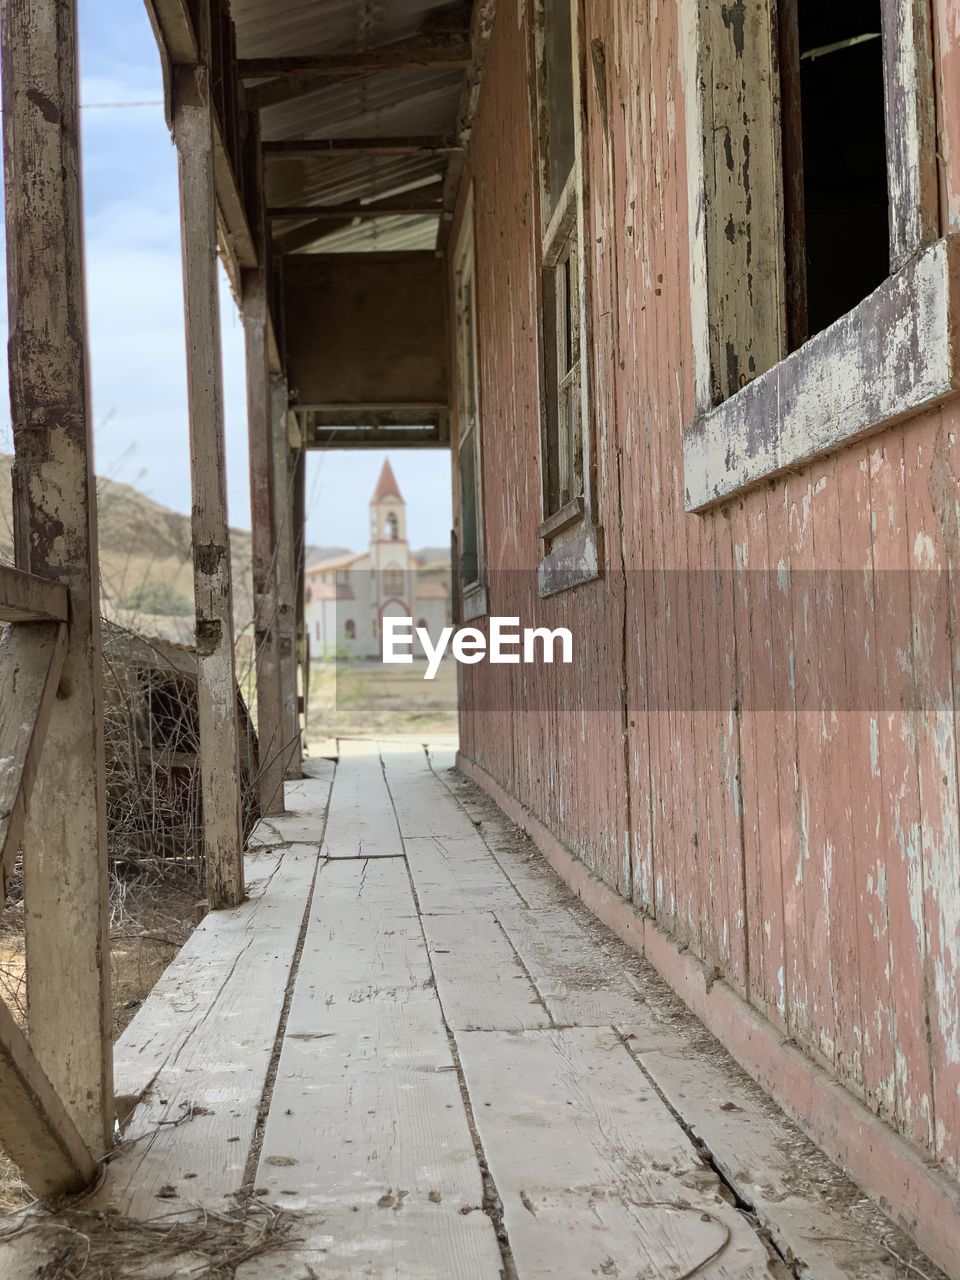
[[55, 535], [270, 734], [283, 515], [212, 578], [299, 556]]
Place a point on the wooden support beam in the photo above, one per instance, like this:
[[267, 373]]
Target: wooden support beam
[[323, 66], [401, 206], [262, 497], [55, 536], [300, 542], [279, 149], [372, 438], [212, 576], [26, 598], [283, 533], [173, 25], [31, 659], [481, 29], [36, 1130]]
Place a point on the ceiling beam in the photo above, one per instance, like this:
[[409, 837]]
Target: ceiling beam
[[383, 209], [409, 146], [307, 235], [409, 57]]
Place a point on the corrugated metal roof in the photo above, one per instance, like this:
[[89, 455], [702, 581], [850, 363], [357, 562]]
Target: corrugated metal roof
[[385, 104], [273, 28], [395, 234], [389, 103], [340, 179]]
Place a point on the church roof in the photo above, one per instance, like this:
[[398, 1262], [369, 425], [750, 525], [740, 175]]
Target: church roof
[[387, 486], [336, 562]]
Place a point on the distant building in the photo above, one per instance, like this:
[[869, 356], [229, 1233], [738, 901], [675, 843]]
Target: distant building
[[348, 596]]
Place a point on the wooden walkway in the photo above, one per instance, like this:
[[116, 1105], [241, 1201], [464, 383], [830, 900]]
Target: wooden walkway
[[416, 1042]]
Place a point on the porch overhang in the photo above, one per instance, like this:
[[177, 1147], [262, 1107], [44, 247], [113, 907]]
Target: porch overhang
[[338, 136]]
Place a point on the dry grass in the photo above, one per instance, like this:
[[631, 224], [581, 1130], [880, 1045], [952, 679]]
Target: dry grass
[[78, 1244], [350, 699]]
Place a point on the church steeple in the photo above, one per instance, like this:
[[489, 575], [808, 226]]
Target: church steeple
[[387, 486], [388, 511]]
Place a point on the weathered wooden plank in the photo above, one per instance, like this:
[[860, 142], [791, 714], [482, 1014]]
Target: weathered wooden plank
[[424, 805], [26, 598], [189, 1139], [173, 23], [758, 1151], [186, 992], [36, 1130], [367, 881], [397, 57], [362, 823], [480, 978], [212, 574], [262, 501], [399, 207], [528, 871], [596, 1181], [580, 979], [911, 132], [309, 797], [458, 875], [744, 229], [368, 1125], [31, 659], [283, 536], [409, 1244], [55, 523], [393, 146]]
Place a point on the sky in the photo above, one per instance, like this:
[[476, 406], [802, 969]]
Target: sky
[[135, 313]]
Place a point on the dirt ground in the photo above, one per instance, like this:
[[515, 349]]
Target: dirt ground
[[355, 698], [151, 917]]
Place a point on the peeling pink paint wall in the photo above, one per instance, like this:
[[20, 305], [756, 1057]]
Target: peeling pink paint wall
[[813, 859]]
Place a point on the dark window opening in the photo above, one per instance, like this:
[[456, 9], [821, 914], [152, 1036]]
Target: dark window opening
[[834, 159]]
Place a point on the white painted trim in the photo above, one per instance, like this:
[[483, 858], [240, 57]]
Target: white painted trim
[[894, 354]]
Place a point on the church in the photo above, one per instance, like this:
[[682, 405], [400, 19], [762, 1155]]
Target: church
[[348, 596]]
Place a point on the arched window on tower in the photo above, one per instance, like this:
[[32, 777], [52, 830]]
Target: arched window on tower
[[392, 527], [350, 629]]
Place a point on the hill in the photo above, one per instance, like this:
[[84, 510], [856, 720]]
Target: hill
[[146, 571]]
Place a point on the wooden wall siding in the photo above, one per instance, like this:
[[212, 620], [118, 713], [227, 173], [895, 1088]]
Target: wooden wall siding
[[812, 858]]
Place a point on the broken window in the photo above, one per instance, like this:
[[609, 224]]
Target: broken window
[[560, 258], [835, 163], [797, 99], [814, 220], [468, 409]]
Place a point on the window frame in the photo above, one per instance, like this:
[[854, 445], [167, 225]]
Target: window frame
[[833, 389], [569, 534], [473, 594]]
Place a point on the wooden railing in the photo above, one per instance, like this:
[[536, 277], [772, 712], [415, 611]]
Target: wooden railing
[[37, 1131]]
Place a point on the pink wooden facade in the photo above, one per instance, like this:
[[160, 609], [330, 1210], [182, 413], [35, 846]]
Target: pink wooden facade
[[805, 849]]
